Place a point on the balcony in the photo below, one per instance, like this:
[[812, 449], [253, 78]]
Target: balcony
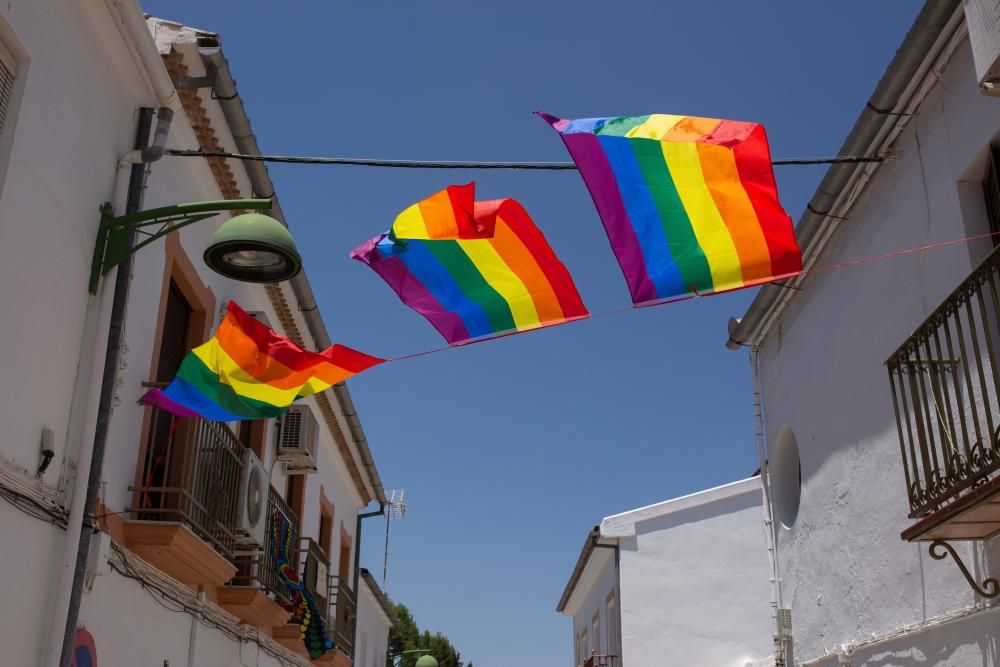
[[314, 569], [185, 505], [344, 615], [599, 660], [257, 595], [946, 395]]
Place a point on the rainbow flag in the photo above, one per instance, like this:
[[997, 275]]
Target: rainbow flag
[[689, 204], [248, 371], [473, 269]]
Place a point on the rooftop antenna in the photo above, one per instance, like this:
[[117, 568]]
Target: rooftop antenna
[[395, 509]]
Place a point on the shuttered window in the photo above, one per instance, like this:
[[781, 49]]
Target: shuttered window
[[8, 70]]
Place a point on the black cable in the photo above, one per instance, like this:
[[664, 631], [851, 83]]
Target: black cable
[[418, 164]]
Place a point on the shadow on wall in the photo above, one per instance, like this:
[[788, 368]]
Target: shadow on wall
[[700, 513], [970, 641]]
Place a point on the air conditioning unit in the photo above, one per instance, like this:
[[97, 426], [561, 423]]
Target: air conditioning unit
[[251, 506], [983, 20], [258, 315], [297, 436]]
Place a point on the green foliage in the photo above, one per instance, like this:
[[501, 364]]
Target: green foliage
[[407, 636]]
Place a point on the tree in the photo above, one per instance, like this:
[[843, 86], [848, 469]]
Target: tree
[[406, 636]]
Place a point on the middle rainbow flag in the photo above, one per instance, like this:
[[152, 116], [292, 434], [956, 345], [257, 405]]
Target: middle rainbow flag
[[473, 269], [689, 204]]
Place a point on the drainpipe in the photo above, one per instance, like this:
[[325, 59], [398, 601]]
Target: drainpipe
[[239, 124], [81, 527], [618, 585], [357, 555], [882, 110]]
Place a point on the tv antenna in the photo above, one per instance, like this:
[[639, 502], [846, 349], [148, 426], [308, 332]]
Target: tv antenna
[[395, 509]]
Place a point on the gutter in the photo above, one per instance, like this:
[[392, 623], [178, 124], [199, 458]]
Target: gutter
[[881, 112], [232, 108], [581, 563]]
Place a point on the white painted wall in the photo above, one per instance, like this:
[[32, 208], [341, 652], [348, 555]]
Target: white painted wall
[[76, 116], [846, 575], [373, 629], [693, 582]]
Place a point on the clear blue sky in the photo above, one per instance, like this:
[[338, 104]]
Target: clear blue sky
[[510, 451]]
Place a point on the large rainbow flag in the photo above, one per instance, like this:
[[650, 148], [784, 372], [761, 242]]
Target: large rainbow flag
[[249, 371], [689, 204], [473, 269]]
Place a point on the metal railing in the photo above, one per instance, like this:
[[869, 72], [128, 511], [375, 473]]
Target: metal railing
[[946, 394], [315, 569], [191, 474], [344, 615], [255, 566]]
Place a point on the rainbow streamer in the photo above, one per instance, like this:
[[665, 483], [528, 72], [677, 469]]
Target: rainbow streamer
[[689, 204], [473, 269], [248, 371], [305, 611]]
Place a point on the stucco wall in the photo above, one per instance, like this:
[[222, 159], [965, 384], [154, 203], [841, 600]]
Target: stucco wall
[[373, 630], [845, 572], [694, 586], [599, 578], [77, 115]]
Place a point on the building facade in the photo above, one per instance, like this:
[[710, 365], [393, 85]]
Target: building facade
[[682, 582], [879, 381], [80, 84]]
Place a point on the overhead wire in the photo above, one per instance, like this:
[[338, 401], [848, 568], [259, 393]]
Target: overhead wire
[[463, 164]]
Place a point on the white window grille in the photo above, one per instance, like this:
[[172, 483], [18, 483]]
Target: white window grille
[[8, 71]]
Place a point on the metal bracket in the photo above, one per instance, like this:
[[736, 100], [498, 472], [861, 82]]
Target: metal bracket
[[190, 82], [113, 232], [990, 588]]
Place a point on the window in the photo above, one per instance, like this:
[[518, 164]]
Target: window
[[295, 493], [576, 648], [8, 72], [584, 646], [596, 634], [325, 523], [991, 191], [611, 620], [344, 565]]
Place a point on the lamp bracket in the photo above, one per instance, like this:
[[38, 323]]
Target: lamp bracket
[[114, 233], [990, 587]]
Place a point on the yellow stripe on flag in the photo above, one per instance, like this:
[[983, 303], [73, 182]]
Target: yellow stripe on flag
[[500, 277]]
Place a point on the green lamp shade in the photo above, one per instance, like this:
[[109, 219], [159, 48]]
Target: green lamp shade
[[253, 248], [426, 661]]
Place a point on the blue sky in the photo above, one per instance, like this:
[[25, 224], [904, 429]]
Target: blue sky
[[510, 451]]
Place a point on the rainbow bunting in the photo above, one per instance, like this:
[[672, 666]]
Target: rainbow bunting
[[248, 371], [473, 269], [689, 204]]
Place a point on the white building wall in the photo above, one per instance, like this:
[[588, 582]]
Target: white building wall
[[77, 115], [846, 575], [599, 578], [694, 585], [373, 630]]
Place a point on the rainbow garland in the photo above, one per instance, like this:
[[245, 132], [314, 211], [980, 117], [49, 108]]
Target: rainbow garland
[[305, 612], [689, 204], [248, 371], [473, 269]]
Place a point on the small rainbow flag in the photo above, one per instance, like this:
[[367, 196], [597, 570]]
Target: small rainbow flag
[[689, 204], [473, 269], [248, 371]]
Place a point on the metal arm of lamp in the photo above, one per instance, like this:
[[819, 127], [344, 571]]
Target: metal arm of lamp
[[112, 234]]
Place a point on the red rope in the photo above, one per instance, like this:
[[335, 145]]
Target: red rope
[[616, 311]]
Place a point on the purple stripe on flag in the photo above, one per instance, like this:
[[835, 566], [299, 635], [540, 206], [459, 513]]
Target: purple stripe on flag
[[411, 291], [589, 156], [157, 399]]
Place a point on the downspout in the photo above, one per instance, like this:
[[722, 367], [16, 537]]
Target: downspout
[[357, 556], [236, 116], [816, 224], [80, 526], [618, 587], [781, 651]]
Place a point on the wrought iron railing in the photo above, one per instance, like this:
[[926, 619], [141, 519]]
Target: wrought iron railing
[[315, 569], [946, 394], [344, 615], [602, 660], [191, 474], [255, 566]]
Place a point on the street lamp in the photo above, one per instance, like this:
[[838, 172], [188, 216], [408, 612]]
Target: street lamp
[[251, 247]]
